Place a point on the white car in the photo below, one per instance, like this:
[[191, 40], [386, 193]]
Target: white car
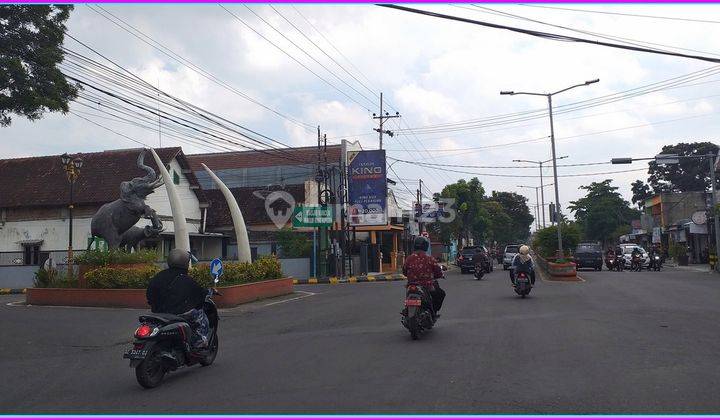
[[510, 252], [627, 250]]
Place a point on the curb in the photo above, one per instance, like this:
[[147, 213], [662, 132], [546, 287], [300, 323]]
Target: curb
[[12, 291], [352, 279]]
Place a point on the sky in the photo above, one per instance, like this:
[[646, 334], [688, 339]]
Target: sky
[[433, 72]]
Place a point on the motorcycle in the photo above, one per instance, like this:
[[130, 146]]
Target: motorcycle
[[418, 315], [522, 284], [162, 344], [480, 268], [610, 262], [655, 263], [619, 264], [635, 264]]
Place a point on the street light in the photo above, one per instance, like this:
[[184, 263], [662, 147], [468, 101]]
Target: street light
[[542, 190], [537, 202], [552, 142], [71, 166], [670, 159]]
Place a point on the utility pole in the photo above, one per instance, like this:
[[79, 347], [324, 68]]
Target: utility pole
[[540, 163], [384, 116], [552, 142], [419, 201], [716, 219]]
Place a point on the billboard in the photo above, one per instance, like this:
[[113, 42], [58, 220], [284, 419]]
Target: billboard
[[367, 188]]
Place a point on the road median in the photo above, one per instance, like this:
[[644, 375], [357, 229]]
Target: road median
[[351, 279], [12, 291]]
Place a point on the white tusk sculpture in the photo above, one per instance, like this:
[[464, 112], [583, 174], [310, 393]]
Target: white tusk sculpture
[[182, 238], [243, 243]]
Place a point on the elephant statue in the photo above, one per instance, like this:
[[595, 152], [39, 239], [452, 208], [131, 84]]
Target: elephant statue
[[115, 222]]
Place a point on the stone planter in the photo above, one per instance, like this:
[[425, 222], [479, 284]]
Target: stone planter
[[135, 298], [558, 271]]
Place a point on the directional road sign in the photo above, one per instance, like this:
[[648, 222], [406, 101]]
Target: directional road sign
[[312, 216]]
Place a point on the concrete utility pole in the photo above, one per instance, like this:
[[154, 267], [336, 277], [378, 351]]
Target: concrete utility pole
[[384, 116], [542, 189], [552, 143]]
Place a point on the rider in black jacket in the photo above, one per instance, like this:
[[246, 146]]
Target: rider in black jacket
[[173, 291]]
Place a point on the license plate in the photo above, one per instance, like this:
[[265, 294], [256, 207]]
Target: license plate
[[135, 354], [469, 258], [413, 302]]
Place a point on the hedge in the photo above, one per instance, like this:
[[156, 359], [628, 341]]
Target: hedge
[[264, 268], [116, 256], [120, 278]]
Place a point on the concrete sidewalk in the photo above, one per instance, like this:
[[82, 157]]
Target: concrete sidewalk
[[12, 291], [698, 268]]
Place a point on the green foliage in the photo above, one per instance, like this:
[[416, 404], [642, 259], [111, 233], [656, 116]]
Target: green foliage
[[468, 221], [293, 244], [116, 256], [264, 268], [602, 211], [515, 206], [675, 250], [546, 244], [688, 174], [53, 279], [32, 37], [120, 278], [641, 192]]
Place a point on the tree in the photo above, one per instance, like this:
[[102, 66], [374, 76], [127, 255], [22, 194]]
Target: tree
[[601, 211], [468, 197], [688, 174], [31, 39], [641, 192], [515, 206], [293, 244], [546, 244], [497, 223]]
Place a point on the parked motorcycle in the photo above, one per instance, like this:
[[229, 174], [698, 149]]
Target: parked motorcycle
[[162, 344], [522, 284]]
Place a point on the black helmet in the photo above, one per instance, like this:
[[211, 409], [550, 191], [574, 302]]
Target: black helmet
[[421, 243], [178, 258]]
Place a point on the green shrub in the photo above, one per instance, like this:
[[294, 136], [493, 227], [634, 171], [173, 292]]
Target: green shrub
[[293, 244], [53, 279], [116, 256], [264, 268], [120, 278]]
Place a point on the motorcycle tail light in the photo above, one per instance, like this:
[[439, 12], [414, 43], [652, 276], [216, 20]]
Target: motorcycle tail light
[[145, 331], [412, 288], [460, 258]]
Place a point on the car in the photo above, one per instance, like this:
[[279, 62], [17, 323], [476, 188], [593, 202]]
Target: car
[[510, 252], [588, 255], [627, 254], [466, 258]]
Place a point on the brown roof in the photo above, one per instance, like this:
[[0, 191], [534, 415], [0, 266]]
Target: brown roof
[[253, 159], [42, 182], [251, 206]]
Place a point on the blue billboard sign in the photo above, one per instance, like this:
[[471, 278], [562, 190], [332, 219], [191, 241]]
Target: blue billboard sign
[[367, 188]]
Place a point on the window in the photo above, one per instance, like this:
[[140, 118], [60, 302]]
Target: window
[[176, 178], [31, 254]]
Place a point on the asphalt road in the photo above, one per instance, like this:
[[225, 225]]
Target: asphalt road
[[617, 343]]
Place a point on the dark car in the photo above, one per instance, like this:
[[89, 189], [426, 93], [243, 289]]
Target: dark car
[[466, 259], [589, 256]]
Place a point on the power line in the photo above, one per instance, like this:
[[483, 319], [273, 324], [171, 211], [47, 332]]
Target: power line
[[548, 35], [239, 19], [187, 63], [622, 14]]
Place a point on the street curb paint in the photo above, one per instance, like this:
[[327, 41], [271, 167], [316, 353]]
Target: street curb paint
[[352, 279], [13, 291]]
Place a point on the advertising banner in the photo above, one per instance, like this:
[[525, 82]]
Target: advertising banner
[[367, 188]]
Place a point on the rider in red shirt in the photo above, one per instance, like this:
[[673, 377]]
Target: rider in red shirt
[[422, 269]]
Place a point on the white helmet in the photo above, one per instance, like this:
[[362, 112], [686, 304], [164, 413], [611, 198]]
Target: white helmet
[[524, 250]]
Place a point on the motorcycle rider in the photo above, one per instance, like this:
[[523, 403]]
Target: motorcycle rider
[[173, 291], [636, 253], [654, 250], [481, 258], [522, 263], [423, 270]]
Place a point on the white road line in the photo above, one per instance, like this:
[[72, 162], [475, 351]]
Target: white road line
[[307, 294]]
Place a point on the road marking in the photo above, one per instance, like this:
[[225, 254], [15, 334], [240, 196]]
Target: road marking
[[307, 294]]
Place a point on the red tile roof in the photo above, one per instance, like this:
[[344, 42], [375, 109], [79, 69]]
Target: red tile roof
[[42, 182], [251, 206], [253, 159]]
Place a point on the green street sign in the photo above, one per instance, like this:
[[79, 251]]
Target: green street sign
[[312, 216]]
